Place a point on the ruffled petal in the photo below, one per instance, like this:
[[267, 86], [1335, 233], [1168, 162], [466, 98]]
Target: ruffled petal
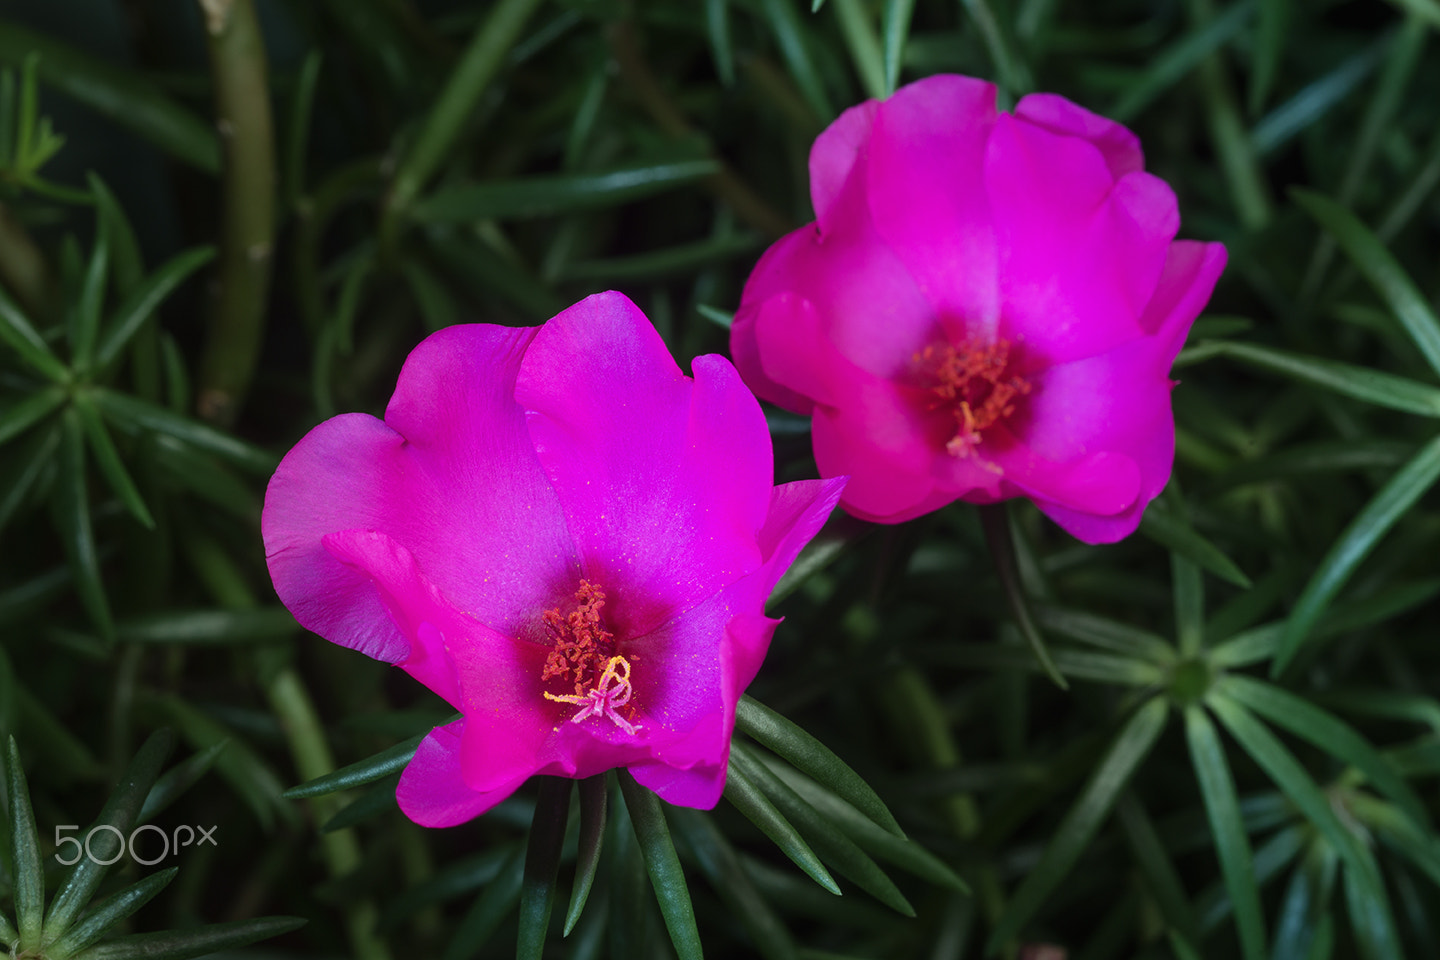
[[413, 604], [1119, 146], [926, 161], [771, 279], [508, 721], [451, 476], [882, 442], [1121, 400], [1081, 253], [833, 156], [664, 481], [433, 792]]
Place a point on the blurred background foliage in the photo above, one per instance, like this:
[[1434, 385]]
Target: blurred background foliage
[[222, 221]]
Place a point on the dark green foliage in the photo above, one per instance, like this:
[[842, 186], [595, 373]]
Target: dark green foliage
[[1242, 760]]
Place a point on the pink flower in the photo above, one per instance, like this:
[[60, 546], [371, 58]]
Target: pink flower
[[563, 536], [987, 306]]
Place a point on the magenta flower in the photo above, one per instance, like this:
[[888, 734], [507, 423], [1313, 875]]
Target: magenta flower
[[987, 306], [563, 536]]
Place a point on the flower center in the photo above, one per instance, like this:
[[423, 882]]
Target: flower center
[[972, 381], [584, 654]]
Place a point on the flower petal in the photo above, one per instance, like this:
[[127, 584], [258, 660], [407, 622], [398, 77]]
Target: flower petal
[[1121, 400], [451, 476], [432, 791], [1119, 147], [413, 603], [881, 442], [508, 721], [925, 164], [664, 481], [1081, 253], [833, 156]]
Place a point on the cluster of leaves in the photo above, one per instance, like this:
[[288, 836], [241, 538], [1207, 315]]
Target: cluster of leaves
[[1239, 760]]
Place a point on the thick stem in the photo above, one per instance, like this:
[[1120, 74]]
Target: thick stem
[[242, 280]]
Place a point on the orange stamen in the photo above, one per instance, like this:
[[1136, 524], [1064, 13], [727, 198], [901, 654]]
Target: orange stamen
[[971, 380], [584, 653]]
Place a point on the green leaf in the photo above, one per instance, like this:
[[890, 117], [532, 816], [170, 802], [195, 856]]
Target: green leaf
[[671, 890], [1370, 917], [1282, 767], [1222, 807], [139, 305], [459, 878], [1379, 267], [549, 195], [16, 419], [1327, 732], [1305, 901], [135, 415], [72, 505], [1104, 633], [542, 865], [1268, 47], [1189, 590], [721, 866], [790, 33], [1316, 98], [1354, 544], [746, 797], [15, 329], [29, 874], [995, 519], [86, 317], [594, 805], [109, 912], [815, 556], [670, 261], [112, 223], [896, 22], [104, 846], [1162, 880], [1179, 59], [813, 758], [1175, 534], [249, 775], [864, 46], [874, 840], [107, 458], [205, 627], [179, 778], [29, 461], [1362, 383], [377, 767], [717, 29], [377, 801], [198, 942], [1319, 457], [1074, 833], [116, 93], [490, 910]]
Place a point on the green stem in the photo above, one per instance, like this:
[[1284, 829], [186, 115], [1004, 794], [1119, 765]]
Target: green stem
[[242, 108], [478, 65], [306, 736]]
